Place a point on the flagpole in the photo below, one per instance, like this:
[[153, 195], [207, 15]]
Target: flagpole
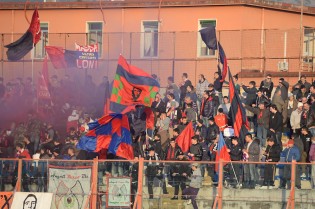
[[32, 57]]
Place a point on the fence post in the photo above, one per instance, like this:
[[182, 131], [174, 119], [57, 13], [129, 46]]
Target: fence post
[[291, 201], [19, 177], [220, 185], [94, 183], [140, 183]]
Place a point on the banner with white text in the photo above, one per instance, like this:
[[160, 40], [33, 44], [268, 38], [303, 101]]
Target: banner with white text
[[87, 56]]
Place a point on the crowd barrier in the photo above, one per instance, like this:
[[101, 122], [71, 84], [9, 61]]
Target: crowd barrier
[[100, 184]]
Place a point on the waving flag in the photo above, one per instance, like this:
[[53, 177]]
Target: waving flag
[[18, 49], [223, 61], [110, 132], [184, 138], [132, 86], [56, 56], [208, 35], [222, 152], [61, 58], [237, 111]]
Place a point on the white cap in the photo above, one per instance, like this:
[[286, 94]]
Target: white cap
[[300, 104]]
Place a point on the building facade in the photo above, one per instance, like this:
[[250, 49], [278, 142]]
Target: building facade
[[162, 37]]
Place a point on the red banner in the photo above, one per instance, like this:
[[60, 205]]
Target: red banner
[[42, 87]]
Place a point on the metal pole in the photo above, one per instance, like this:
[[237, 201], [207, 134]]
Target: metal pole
[[174, 54], [301, 36], [140, 183], [94, 182], [130, 48], [2, 50], [19, 177], [291, 200], [220, 186]]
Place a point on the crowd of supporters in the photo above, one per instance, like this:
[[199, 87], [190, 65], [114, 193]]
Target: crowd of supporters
[[281, 128]]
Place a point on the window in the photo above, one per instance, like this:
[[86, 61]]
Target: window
[[202, 48], [95, 35], [150, 38], [39, 51], [308, 46]]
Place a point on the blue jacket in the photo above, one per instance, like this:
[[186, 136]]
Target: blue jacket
[[290, 154]]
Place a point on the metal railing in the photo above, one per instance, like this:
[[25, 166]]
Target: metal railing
[[34, 175]]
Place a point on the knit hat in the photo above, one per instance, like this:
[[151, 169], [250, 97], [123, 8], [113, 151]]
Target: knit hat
[[290, 142]]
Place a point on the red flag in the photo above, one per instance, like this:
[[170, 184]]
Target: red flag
[[149, 118], [35, 27], [222, 152], [184, 138], [42, 88], [45, 71], [56, 55]]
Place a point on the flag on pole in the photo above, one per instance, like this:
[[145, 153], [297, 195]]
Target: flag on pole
[[209, 37], [132, 86], [184, 138], [18, 49], [222, 153], [223, 61], [237, 111]]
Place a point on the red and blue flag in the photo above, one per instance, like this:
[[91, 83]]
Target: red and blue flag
[[111, 132], [61, 58], [222, 153], [237, 111], [132, 86], [18, 49]]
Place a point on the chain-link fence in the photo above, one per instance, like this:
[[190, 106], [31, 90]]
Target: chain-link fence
[[172, 53]]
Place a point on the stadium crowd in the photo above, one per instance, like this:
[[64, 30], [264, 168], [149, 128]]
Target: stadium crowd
[[281, 128]]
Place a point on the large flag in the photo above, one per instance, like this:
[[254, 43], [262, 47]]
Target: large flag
[[208, 35], [223, 61], [184, 138], [61, 58], [110, 132], [42, 84], [237, 111], [222, 153], [18, 49], [132, 86]]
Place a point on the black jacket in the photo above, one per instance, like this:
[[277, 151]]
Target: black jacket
[[177, 151], [208, 108], [158, 106], [212, 132], [275, 121], [251, 95], [274, 153], [158, 148], [236, 153], [196, 149], [202, 131], [154, 166]]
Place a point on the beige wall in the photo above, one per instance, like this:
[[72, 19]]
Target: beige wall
[[237, 41]]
